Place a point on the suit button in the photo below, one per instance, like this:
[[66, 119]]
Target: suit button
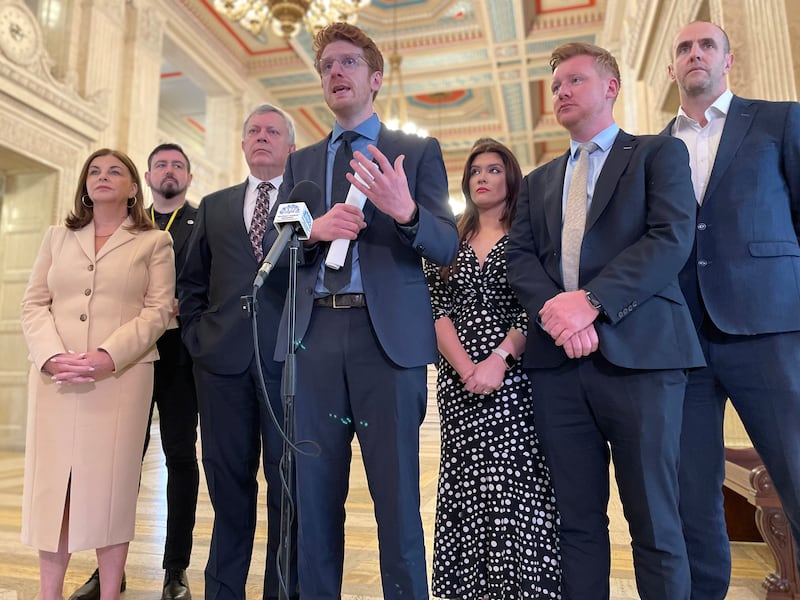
[[84, 317], [702, 262], [420, 248], [87, 292], [91, 267], [701, 226]]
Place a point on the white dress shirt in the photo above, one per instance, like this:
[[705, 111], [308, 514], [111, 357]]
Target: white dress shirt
[[703, 142]]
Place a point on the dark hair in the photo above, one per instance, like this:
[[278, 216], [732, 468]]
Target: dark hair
[[164, 148], [469, 220], [346, 32], [82, 215], [603, 59]]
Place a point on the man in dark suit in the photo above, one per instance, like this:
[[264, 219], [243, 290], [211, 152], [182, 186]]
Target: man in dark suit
[[169, 176], [609, 358], [742, 283], [363, 347], [235, 425]]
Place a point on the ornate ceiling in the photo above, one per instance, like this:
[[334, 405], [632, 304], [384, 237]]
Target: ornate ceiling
[[471, 69]]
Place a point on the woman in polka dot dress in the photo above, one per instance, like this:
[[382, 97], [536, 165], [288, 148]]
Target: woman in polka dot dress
[[495, 532]]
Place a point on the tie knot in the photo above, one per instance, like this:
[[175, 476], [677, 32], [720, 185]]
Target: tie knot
[[348, 137], [587, 147], [264, 187]]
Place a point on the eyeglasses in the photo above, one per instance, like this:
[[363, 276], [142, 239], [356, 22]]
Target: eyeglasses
[[348, 63]]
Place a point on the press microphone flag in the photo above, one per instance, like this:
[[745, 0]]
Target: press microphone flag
[[292, 217]]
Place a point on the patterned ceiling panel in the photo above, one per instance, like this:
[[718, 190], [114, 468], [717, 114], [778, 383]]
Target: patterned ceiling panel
[[470, 68]]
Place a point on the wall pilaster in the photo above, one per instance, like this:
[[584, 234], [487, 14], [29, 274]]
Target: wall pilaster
[[759, 31], [102, 59], [139, 95]]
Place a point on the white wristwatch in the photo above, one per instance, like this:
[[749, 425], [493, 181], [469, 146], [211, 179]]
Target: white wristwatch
[[507, 357]]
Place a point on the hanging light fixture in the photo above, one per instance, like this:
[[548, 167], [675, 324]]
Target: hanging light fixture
[[396, 104], [285, 17]]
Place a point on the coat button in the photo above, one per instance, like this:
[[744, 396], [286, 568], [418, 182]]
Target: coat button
[[91, 267], [701, 226], [702, 262], [87, 292], [84, 317]]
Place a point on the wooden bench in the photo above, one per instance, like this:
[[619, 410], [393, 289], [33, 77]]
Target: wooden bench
[[746, 475]]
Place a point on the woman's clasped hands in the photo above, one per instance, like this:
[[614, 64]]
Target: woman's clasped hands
[[83, 367]]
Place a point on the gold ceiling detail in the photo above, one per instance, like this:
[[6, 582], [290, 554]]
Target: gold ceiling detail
[[285, 17]]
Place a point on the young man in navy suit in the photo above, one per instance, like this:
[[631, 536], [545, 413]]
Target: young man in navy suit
[[364, 339], [742, 283], [594, 254], [235, 426]]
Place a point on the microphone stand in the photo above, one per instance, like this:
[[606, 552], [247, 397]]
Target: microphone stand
[[288, 385]]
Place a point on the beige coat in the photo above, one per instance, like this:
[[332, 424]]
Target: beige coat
[[86, 440]]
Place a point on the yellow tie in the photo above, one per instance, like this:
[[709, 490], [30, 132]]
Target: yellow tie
[[575, 218]]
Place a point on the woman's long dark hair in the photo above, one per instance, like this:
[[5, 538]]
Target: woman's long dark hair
[[469, 220]]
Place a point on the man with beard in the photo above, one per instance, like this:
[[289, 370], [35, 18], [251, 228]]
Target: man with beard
[[169, 176]]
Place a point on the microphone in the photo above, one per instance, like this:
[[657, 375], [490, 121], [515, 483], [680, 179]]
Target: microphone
[[291, 217]]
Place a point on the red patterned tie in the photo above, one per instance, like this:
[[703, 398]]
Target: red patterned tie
[[260, 217]]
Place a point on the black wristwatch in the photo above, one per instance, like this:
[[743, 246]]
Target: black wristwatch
[[594, 302], [507, 357]]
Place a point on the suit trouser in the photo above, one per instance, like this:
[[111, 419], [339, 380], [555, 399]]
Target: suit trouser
[[761, 376], [174, 394], [234, 427], [588, 411], [347, 386]]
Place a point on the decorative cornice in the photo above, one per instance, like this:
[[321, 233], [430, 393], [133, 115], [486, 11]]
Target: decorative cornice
[[36, 82]]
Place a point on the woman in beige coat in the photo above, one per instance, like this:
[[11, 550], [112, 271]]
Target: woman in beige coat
[[100, 295]]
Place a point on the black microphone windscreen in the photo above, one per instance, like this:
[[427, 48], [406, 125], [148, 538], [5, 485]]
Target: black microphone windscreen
[[306, 191]]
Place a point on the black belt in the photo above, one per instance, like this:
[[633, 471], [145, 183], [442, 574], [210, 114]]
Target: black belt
[[342, 301]]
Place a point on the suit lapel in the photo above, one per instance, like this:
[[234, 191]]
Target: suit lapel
[[737, 123], [554, 196], [618, 158], [121, 236], [235, 215], [181, 230], [85, 237]]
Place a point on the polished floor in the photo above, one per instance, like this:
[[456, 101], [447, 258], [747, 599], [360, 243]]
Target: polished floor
[[18, 564]]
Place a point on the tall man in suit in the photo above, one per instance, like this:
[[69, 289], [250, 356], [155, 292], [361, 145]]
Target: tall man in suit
[[169, 176], [594, 255], [742, 284], [364, 340], [235, 424]]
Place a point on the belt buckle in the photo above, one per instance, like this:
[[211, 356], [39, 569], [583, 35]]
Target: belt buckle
[[335, 305]]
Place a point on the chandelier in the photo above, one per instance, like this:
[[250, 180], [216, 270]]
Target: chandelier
[[285, 16], [396, 104]]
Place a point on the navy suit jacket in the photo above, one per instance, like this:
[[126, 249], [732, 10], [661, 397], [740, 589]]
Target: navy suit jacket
[[745, 267], [391, 266], [219, 270], [639, 232]]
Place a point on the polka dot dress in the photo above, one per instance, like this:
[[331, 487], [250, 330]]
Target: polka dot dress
[[495, 531]]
